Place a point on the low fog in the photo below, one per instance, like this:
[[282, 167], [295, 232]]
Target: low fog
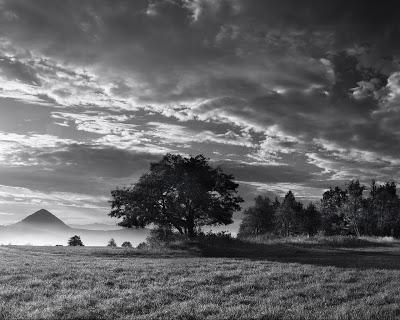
[[42, 236], [44, 228]]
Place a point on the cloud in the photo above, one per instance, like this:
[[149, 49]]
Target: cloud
[[16, 149], [284, 93], [97, 161], [271, 174], [15, 70], [24, 195]]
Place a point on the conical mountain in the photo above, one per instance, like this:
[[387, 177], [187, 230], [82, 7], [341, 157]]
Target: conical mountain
[[43, 218]]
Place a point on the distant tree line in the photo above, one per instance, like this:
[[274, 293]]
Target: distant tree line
[[353, 210]]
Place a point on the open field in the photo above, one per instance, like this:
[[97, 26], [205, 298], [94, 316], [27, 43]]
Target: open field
[[248, 281]]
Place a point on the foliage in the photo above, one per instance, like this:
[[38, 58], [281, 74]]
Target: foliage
[[352, 209], [383, 207], [183, 193], [288, 218], [126, 244], [142, 245], [377, 214], [279, 219], [332, 221], [311, 219], [75, 241], [112, 243], [258, 219], [161, 236], [345, 211]]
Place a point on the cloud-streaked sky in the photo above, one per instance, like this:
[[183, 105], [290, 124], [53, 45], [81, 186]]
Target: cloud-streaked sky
[[297, 95]]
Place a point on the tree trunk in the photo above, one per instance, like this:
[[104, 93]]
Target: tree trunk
[[357, 231], [191, 233], [190, 227]]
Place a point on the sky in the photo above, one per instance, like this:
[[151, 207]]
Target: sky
[[298, 95]]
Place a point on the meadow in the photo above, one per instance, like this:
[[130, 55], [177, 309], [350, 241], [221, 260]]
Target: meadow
[[291, 279]]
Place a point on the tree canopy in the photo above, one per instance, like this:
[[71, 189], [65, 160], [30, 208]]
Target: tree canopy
[[283, 219], [347, 211], [180, 192], [258, 219]]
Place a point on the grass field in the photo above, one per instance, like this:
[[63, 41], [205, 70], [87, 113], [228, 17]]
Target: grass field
[[291, 280]]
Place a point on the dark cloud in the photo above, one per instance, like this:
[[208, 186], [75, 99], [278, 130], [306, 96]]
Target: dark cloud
[[15, 70], [267, 174], [97, 161], [175, 50], [289, 93], [78, 176]]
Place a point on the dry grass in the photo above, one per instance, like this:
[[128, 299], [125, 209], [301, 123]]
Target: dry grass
[[274, 281]]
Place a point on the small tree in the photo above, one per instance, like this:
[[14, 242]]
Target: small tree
[[178, 192], [126, 244], [332, 220], [258, 219], [75, 241], [353, 208], [112, 243], [288, 217]]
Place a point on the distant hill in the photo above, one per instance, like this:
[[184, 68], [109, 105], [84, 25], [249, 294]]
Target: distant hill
[[44, 228], [42, 218]]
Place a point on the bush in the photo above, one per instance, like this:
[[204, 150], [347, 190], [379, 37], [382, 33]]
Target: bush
[[112, 243], [223, 235], [75, 241], [142, 245], [208, 239], [161, 237], [126, 244]]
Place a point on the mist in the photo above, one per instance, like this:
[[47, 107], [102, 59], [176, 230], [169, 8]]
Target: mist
[[47, 237]]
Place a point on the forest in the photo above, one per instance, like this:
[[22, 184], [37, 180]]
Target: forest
[[352, 210]]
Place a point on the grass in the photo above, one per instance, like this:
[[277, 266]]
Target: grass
[[327, 241], [306, 279]]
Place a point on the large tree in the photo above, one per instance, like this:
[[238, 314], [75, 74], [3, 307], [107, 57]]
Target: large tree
[[184, 193]]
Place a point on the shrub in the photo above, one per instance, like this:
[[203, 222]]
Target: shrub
[[75, 241], [112, 243], [142, 245], [126, 244], [223, 235], [161, 237]]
